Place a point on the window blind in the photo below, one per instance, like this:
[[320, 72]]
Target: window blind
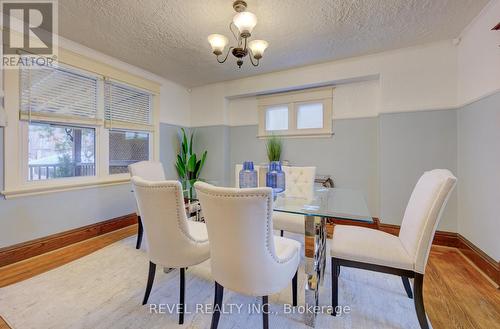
[[127, 107], [58, 94]]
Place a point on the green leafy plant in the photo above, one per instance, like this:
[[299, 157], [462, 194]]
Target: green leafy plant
[[274, 146], [188, 165]]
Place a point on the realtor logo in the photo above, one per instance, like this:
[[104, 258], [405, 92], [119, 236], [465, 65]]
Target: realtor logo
[[28, 33]]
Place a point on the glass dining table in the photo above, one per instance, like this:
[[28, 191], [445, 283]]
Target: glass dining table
[[338, 203]]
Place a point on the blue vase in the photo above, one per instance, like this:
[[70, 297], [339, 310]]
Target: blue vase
[[275, 178], [248, 175]]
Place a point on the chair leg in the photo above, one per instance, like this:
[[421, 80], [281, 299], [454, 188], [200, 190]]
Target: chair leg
[[406, 284], [418, 284], [151, 278], [265, 312], [181, 296], [219, 293], [139, 233], [281, 233], [294, 289], [335, 287]]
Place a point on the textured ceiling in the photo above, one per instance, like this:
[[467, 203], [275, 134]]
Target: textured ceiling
[[169, 37]]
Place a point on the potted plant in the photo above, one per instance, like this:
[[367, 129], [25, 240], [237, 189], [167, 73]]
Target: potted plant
[[188, 165], [274, 146]]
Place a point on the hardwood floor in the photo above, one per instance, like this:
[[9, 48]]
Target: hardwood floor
[[3, 324], [36, 265], [456, 294]]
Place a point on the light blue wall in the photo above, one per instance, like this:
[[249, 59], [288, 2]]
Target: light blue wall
[[350, 156], [169, 148], [214, 139], [479, 174], [383, 157], [411, 143], [27, 218]]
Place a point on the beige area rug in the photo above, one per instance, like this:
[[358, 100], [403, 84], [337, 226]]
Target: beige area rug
[[105, 290]]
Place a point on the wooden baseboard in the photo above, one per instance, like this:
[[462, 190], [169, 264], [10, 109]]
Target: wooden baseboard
[[331, 222], [441, 238], [479, 258], [450, 239], [25, 250]]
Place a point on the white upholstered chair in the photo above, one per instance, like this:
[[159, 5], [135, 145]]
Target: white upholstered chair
[[404, 255], [299, 184], [148, 170], [245, 255], [173, 241]]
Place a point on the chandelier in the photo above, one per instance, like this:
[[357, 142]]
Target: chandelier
[[243, 22]]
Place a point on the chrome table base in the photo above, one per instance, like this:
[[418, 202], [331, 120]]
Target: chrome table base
[[315, 263]]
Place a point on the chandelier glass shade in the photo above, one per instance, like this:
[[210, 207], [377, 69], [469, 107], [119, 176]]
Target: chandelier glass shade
[[241, 27], [257, 47], [245, 22], [218, 43]]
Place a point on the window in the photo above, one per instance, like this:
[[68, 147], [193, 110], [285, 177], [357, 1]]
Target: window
[[55, 103], [126, 147], [304, 113], [277, 118], [56, 151], [310, 116], [58, 94], [127, 108], [76, 125]]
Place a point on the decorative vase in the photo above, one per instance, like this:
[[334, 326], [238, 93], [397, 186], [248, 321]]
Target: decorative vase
[[248, 175], [275, 178]]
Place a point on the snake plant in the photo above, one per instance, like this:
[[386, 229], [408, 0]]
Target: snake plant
[[188, 165]]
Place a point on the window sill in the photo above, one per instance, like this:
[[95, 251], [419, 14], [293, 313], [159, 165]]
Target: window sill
[[69, 186], [309, 135]]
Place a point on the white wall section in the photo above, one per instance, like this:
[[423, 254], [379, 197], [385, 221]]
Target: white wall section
[[479, 56], [410, 79]]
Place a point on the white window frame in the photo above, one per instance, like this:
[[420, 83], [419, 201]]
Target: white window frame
[[150, 146], [16, 181], [292, 100]]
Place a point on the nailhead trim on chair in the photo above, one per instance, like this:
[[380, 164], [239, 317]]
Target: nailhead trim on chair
[[269, 217], [176, 209]]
